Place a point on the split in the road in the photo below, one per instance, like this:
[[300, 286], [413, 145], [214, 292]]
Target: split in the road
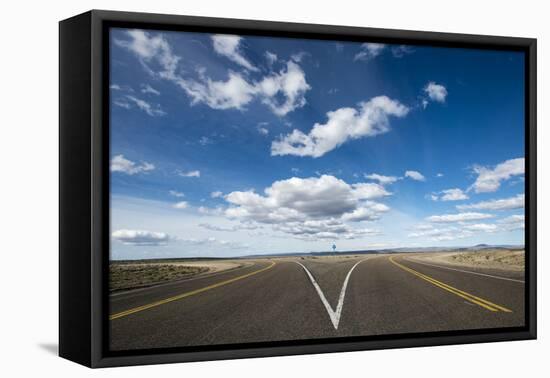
[[333, 314]]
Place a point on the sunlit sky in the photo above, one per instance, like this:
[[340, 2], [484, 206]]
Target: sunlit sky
[[225, 145]]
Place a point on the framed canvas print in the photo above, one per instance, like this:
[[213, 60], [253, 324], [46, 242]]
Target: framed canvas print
[[234, 188]]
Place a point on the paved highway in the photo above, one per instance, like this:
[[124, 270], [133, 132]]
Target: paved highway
[[293, 298]]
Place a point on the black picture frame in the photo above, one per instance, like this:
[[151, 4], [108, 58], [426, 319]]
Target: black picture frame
[[84, 187]]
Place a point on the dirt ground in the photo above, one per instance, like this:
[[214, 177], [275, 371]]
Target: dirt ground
[[492, 259]]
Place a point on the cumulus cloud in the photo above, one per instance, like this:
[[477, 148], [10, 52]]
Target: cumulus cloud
[[289, 83], [141, 237], [369, 51], [516, 202], [324, 229], [120, 164], [229, 46], [489, 179], [369, 211], [415, 175], [384, 180], [454, 194], [435, 92], [460, 217], [190, 174], [325, 202], [369, 119], [282, 91]]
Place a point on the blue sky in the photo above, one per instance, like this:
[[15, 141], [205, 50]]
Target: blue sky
[[226, 145]]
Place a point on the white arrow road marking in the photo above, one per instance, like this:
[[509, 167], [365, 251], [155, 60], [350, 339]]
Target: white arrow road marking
[[334, 315]]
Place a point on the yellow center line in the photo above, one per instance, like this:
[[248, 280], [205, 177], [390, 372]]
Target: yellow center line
[[469, 297], [188, 294]]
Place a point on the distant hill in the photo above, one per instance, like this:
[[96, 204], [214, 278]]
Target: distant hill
[[478, 247]]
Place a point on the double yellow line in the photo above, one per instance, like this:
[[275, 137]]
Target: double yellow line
[[188, 294], [467, 296]]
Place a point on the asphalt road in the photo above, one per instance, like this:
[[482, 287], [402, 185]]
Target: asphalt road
[[289, 299]]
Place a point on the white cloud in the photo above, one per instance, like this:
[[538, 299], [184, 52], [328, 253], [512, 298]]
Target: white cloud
[[401, 50], [369, 190], [460, 217], [454, 194], [151, 110], [368, 211], [323, 230], [146, 88], [211, 211], [175, 193], [216, 194], [484, 227], [214, 242], [489, 179], [141, 237], [513, 222], [384, 180], [282, 91], [150, 48], [235, 227], [369, 51], [517, 202], [415, 175], [289, 83], [314, 207], [513, 219], [441, 234], [190, 174], [370, 119], [270, 57], [115, 87], [436, 92], [439, 175], [263, 130], [229, 46], [204, 140], [181, 205], [423, 227], [123, 103], [120, 164]]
